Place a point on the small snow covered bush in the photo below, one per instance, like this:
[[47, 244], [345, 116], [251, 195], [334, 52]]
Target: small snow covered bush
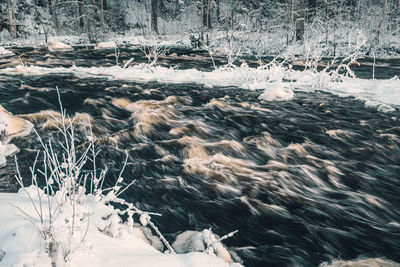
[[336, 71], [153, 50]]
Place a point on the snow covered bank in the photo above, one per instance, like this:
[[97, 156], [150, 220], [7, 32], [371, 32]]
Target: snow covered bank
[[382, 94], [278, 82], [11, 127], [100, 238]]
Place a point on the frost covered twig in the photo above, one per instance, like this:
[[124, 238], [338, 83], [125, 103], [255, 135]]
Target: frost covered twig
[[117, 53]]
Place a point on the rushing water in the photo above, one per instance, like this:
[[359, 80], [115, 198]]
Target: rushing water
[[303, 181]]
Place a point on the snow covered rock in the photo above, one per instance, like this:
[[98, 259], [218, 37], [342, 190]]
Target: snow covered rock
[[10, 127], [105, 45], [204, 241], [276, 92], [5, 53], [59, 46], [6, 151]]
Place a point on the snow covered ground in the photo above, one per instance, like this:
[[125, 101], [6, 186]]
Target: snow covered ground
[[100, 238], [278, 82]]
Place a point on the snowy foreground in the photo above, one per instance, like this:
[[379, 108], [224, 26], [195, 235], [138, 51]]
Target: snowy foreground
[[277, 81], [99, 238]]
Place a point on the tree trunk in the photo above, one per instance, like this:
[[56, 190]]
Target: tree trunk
[[103, 24], [206, 19], [154, 14], [81, 15], [209, 14], [54, 15], [334, 28], [289, 22], [96, 11], [218, 11], [11, 17], [395, 15], [233, 7], [376, 39], [312, 8], [381, 22], [202, 21], [300, 22], [86, 19]]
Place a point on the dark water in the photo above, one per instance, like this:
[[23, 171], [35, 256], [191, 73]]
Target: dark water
[[303, 181]]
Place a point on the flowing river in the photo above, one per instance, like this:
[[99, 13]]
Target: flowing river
[[304, 181]]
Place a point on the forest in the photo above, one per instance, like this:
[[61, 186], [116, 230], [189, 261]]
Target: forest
[[260, 25]]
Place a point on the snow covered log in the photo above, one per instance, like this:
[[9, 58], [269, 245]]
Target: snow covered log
[[59, 46]]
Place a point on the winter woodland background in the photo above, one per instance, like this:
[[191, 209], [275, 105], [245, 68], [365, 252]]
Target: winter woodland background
[[264, 26]]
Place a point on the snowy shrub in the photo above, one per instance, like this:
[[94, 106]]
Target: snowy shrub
[[337, 71], [153, 50]]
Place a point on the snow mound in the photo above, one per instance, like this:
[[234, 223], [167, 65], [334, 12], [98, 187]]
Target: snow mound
[[59, 46], [276, 92], [100, 237], [5, 53], [204, 241], [104, 45]]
